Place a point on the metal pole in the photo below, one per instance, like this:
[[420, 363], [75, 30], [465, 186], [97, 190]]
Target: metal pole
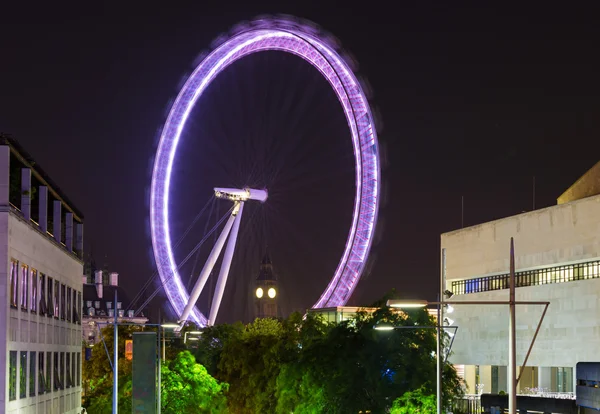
[[115, 401], [439, 361], [440, 316], [158, 408], [512, 346]]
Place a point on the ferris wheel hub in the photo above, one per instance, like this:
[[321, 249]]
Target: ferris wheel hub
[[242, 194]]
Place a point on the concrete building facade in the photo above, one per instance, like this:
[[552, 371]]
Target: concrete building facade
[[557, 258], [41, 242]]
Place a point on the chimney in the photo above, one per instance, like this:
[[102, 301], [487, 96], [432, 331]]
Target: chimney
[[99, 287], [114, 279]]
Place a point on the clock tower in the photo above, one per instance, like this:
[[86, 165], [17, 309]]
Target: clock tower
[[266, 291]]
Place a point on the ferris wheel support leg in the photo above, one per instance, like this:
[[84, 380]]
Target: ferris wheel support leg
[[224, 272], [210, 263]]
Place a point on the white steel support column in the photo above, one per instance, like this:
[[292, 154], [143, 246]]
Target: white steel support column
[[224, 272], [210, 263]]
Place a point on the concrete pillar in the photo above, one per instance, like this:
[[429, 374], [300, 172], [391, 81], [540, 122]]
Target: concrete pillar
[[79, 239], [26, 193], [4, 176], [69, 231], [545, 378], [57, 215], [43, 208]]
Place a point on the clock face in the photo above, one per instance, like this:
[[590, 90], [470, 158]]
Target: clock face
[[272, 292], [259, 293]]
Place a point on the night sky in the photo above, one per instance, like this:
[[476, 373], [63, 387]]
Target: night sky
[[475, 102]]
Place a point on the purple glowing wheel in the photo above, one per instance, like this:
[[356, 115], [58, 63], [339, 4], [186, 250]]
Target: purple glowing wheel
[[303, 41]]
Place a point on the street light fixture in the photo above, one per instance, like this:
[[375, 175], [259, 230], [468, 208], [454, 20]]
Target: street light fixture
[[192, 338], [407, 304], [396, 303]]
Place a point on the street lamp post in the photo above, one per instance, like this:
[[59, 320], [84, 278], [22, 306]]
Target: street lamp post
[[162, 327], [438, 327], [513, 381]]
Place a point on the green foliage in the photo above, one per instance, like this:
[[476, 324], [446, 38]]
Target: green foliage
[[187, 387], [415, 402]]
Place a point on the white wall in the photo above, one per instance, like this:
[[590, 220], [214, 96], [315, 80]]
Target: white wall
[[570, 332], [543, 238]]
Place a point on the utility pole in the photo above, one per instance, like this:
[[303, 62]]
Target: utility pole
[[115, 401], [512, 346]]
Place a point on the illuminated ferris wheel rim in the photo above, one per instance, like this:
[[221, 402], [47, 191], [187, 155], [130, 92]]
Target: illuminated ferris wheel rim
[[303, 41]]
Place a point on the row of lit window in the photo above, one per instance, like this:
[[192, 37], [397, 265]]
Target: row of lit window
[[65, 371], [558, 274], [36, 292]]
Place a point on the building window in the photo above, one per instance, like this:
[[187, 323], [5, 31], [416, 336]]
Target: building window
[[121, 313], [49, 371], [63, 303], [14, 285], [62, 370], [23, 375], [34, 290], [68, 369], [97, 304], [32, 362], [78, 368], [69, 309], [24, 287], [50, 296], [41, 376], [57, 385], [75, 309], [111, 313], [56, 299], [108, 305], [42, 294], [130, 313], [558, 274], [12, 376], [88, 303], [73, 374], [119, 305]]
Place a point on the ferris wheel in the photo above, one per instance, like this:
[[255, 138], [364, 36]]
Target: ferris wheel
[[307, 42]]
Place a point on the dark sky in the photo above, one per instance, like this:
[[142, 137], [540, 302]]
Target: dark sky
[[475, 102]]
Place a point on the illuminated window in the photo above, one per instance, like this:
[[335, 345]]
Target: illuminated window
[[56, 299], [34, 290], [42, 293], [24, 281], [14, 284], [68, 306], [63, 303]]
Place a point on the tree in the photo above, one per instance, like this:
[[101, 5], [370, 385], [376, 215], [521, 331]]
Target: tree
[[187, 387], [415, 402], [250, 363], [352, 367]]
